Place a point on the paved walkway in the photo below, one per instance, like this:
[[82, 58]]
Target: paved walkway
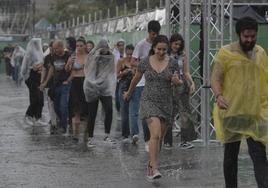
[[31, 158]]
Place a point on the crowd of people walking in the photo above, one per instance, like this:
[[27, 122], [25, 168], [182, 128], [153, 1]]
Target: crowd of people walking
[[150, 84]]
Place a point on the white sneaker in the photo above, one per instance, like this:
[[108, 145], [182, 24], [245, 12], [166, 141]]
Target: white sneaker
[[108, 140], [146, 146], [126, 140], [135, 139], [28, 120], [40, 122], [167, 146], [156, 174], [153, 174], [90, 142]]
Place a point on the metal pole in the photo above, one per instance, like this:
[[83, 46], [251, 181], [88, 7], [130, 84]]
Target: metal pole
[[182, 18], [73, 22], [83, 19], [100, 14], [33, 19], [160, 3], [231, 21], [206, 31], [137, 6], [95, 16], [77, 21], [222, 23], [168, 18], [187, 27], [116, 11], [125, 8], [108, 13], [89, 18]]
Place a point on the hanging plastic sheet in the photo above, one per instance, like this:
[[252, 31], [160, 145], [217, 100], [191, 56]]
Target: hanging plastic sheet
[[100, 76]]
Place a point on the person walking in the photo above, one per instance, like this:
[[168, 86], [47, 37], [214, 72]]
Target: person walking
[[31, 72], [90, 46], [124, 74], [99, 85], [47, 86], [78, 102], [61, 86], [156, 103], [141, 51], [181, 95], [239, 83], [16, 62]]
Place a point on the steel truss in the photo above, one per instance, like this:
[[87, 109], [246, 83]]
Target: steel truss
[[209, 23]]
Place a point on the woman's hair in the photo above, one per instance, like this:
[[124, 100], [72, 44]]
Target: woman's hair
[[72, 42], [177, 37], [91, 42], [158, 39], [81, 39], [129, 47]]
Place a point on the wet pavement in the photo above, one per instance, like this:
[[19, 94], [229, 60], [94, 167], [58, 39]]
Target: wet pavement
[[32, 158]]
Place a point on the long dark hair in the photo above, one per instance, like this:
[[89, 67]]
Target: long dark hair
[[158, 39], [177, 37]]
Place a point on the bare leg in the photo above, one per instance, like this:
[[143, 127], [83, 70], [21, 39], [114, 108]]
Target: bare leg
[[154, 125], [163, 132]]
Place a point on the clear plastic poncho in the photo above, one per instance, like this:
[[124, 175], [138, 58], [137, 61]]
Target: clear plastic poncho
[[100, 75], [245, 87], [17, 56], [33, 56]]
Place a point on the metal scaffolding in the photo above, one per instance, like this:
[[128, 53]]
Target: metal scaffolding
[[209, 24]]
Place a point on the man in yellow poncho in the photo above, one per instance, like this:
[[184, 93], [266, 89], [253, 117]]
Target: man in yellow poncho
[[240, 84]]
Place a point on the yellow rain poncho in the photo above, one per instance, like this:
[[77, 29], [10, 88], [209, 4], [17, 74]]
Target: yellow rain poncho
[[245, 87]]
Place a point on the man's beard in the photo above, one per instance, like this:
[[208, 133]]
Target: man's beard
[[247, 46]]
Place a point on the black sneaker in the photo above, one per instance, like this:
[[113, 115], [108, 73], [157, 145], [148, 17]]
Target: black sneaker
[[75, 140], [53, 129], [186, 145]]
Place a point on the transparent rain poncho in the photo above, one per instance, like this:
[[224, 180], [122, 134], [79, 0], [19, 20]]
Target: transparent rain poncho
[[17, 56], [245, 87], [100, 76], [33, 56]]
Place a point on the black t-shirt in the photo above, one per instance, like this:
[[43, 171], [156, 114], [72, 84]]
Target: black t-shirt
[[59, 62], [48, 61]]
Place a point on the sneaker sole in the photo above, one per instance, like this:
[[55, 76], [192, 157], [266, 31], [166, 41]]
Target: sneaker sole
[[150, 179], [91, 146], [189, 147]]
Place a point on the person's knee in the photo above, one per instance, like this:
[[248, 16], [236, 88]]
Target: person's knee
[[156, 136]]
